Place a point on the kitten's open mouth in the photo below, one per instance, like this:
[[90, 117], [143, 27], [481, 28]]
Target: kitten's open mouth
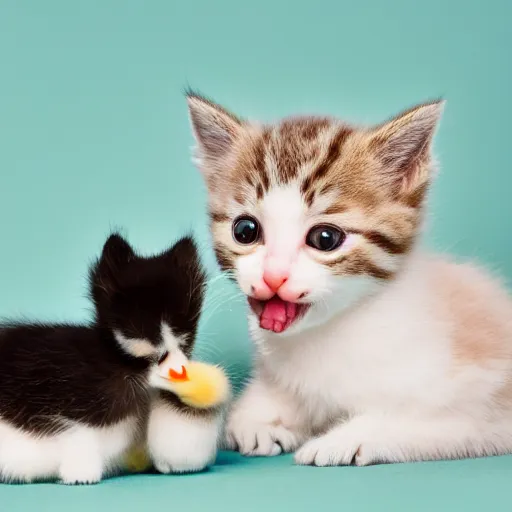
[[277, 314]]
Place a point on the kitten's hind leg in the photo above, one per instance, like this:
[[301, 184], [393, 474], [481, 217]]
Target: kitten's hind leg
[[182, 439], [78, 455], [25, 457]]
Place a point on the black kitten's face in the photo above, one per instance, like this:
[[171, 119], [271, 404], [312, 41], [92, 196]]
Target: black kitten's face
[[151, 304]]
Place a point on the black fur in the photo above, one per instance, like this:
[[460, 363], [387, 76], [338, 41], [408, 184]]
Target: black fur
[[50, 374]]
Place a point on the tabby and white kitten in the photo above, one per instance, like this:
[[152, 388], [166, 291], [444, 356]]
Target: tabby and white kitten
[[368, 350], [74, 399]]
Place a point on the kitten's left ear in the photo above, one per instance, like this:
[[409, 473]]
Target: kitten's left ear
[[215, 130], [116, 252], [103, 275], [403, 146]]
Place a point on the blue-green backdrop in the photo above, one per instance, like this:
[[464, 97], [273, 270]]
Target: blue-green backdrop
[[94, 131], [94, 135]]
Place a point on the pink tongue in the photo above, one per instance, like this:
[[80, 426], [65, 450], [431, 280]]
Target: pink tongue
[[277, 314]]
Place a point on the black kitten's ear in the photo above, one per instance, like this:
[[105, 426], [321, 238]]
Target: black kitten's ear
[[184, 261], [183, 251], [116, 252]]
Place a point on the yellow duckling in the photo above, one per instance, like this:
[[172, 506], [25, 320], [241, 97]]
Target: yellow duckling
[[199, 385]]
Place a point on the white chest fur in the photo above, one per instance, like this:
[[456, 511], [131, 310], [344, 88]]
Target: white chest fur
[[393, 353]]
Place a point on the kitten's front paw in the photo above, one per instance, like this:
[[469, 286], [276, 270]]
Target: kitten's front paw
[[181, 443], [182, 465], [188, 459], [327, 450], [351, 443], [260, 439], [80, 472]]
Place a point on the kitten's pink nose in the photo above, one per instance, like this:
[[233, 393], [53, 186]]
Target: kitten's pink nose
[[274, 280]]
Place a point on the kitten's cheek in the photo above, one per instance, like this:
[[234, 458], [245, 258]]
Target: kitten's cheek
[[249, 274], [260, 291], [293, 294], [244, 286]]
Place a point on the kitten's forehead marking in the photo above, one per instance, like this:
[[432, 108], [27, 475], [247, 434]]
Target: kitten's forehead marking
[[283, 203], [171, 341], [283, 213], [137, 347], [298, 151], [303, 149]]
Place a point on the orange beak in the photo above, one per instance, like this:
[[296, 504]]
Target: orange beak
[[180, 377]]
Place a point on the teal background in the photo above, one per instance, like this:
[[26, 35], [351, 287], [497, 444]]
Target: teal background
[[94, 135]]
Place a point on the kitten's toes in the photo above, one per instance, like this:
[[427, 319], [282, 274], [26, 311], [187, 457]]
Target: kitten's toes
[[275, 440], [364, 456], [162, 467], [330, 449], [261, 439], [191, 465], [80, 472]]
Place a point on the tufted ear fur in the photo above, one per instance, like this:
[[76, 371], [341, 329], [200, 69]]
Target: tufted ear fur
[[183, 260], [403, 144], [215, 130], [116, 253]]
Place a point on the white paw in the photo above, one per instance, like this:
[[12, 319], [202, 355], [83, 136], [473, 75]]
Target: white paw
[[328, 450], [188, 459], [76, 472], [367, 454], [81, 461], [359, 442], [180, 443], [260, 439]]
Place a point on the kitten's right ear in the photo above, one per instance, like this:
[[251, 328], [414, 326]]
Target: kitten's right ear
[[215, 130]]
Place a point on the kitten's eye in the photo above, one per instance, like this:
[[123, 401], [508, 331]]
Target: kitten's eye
[[246, 230], [162, 357], [325, 238]]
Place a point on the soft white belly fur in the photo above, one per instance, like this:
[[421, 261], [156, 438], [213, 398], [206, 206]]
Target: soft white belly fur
[[79, 455]]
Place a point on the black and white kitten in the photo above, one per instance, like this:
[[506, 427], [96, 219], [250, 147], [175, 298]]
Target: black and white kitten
[[73, 399]]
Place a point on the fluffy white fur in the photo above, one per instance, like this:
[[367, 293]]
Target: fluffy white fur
[[385, 382], [404, 357], [179, 442], [81, 455]]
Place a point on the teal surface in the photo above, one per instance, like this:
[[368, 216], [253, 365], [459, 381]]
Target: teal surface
[[273, 484], [94, 134]]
